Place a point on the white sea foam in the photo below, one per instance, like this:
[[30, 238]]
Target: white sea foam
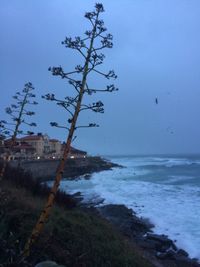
[[173, 208], [173, 179]]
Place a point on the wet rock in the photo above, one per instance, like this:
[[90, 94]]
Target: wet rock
[[194, 259], [147, 244], [182, 252], [163, 243], [78, 197], [93, 202], [178, 259], [160, 238], [87, 176], [169, 255], [159, 247], [183, 261], [125, 220]]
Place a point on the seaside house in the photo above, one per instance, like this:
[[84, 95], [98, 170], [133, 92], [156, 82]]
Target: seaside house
[[37, 147], [20, 150], [55, 148], [75, 153], [44, 146], [37, 142]]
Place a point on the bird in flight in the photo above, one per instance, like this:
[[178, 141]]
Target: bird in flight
[[170, 130], [156, 100]]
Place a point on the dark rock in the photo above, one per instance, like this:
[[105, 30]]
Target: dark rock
[[160, 238], [170, 254], [45, 169], [194, 259], [78, 197], [182, 252], [87, 176], [159, 247], [183, 261], [125, 220], [147, 244], [93, 202], [163, 243], [77, 194], [178, 259]]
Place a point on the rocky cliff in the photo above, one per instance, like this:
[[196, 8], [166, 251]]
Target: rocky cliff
[[45, 169]]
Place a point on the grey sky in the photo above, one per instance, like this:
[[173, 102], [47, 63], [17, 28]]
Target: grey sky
[[155, 54]]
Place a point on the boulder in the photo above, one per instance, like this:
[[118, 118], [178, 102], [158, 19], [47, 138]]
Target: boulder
[[163, 242], [182, 252], [125, 220], [169, 255]]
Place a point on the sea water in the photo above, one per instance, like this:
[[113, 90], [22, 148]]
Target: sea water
[[165, 189]]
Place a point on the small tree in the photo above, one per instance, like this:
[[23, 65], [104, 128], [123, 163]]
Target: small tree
[[18, 114], [89, 48]]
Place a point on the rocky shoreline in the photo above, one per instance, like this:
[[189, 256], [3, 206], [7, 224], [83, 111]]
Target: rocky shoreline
[[159, 249], [45, 169]]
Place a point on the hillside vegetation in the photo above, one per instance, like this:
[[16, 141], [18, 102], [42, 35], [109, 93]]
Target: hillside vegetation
[[72, 236]]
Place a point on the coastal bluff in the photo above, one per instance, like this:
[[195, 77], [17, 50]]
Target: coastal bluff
[[45, 169]]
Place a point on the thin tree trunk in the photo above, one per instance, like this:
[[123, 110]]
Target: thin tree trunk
[[59, 173], [13, 139]]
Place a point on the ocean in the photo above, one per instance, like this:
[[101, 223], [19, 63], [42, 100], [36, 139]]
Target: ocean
[[164, 189]]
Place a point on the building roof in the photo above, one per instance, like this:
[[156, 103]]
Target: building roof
[[54, 140], [20, 145], [24, 146], [77, 151], [10, 140], [72, 148], [32, 138]]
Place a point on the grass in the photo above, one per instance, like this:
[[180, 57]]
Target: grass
[[72, 237]]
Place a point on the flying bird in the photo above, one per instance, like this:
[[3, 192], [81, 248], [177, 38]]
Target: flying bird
[[156, 101], [170, 130]]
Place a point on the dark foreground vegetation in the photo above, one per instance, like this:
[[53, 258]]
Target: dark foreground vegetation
[[72, 236]]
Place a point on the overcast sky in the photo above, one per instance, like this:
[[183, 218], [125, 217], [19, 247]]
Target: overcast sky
[[156, 54]]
